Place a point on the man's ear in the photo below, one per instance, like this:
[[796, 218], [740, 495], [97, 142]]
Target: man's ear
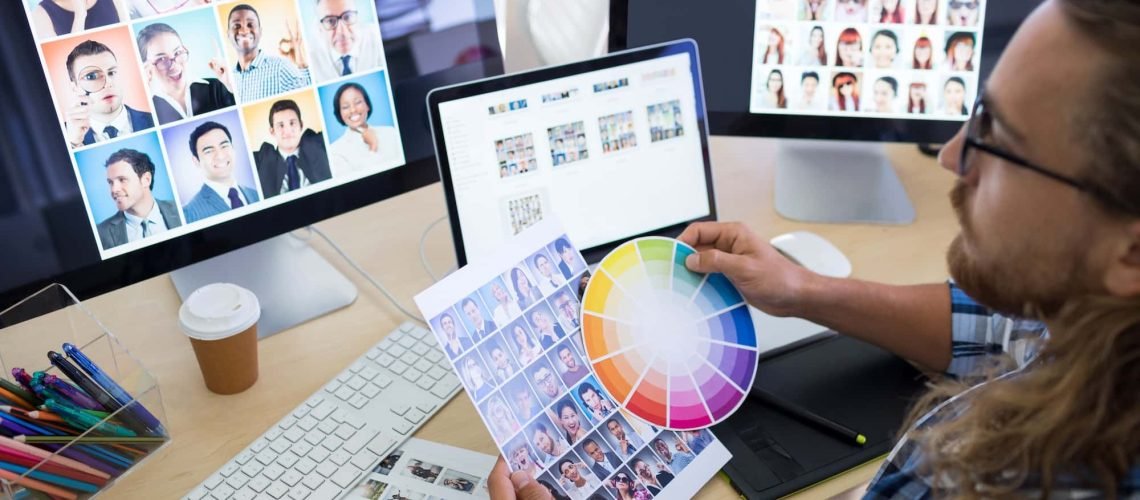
[[1122, 277], [147, 180]]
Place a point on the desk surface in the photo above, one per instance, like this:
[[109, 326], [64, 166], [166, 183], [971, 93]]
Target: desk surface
[[209, 429]]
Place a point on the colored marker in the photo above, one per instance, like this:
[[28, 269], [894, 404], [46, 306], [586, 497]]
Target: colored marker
[[114, 389], [95, 391]]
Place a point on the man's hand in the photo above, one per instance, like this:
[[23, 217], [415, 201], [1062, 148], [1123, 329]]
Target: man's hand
[[370, 138], [77, 118], [767, 279], [518, 486], [296, 40], [222, 71]]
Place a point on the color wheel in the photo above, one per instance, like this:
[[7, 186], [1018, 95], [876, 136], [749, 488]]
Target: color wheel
[[673, 347]]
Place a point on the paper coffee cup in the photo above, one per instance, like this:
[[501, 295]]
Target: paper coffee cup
[[221, 321]]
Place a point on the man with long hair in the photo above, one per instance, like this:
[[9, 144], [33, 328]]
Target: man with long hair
[[1040, 328]]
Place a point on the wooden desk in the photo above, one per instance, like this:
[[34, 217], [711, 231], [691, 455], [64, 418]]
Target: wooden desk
[[209, 429]]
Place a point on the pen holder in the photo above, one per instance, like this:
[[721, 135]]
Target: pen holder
[[78, 466]]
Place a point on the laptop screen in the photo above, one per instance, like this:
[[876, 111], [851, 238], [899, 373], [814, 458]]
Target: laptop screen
[[614, 152]]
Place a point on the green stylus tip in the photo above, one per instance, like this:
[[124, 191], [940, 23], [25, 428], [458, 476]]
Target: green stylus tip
[[861, 439]]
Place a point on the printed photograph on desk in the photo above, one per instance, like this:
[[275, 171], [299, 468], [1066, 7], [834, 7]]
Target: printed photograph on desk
[[425, 469], [551, 417]]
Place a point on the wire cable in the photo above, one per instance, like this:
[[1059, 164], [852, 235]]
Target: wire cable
[[388, 295], [423, 256]]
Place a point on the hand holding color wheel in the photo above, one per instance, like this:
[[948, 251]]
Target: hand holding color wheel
[[675, 348]]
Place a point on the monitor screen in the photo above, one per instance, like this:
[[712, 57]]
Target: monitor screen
[[916, 59], [614, 150], [145, 139]]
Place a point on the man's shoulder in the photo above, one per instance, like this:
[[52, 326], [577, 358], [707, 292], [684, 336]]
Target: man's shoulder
[[115, 219]]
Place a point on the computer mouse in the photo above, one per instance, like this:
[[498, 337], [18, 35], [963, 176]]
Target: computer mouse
[[813, 252]]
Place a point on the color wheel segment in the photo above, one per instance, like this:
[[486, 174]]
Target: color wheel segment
[[675, 348]]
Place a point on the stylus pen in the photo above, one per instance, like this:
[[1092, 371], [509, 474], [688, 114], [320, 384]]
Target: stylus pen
[[798, 412]]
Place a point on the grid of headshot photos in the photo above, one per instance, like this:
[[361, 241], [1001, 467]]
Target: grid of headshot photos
[[183, 114], [516, 155], [425, 470], [617, 132], [517, 346], [524, 211], [665, 121], [568, 143], [878, 58]]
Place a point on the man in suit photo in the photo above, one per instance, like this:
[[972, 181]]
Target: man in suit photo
[[130, 179], [298, 160], [97, 112], [349, 44], [483, 326], [604, 462], [166, 64], [212, 147]]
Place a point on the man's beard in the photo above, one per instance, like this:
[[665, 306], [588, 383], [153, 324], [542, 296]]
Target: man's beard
[[1021, 284]]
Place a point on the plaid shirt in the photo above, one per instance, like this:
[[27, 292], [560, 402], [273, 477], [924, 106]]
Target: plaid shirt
[[978, 334], [268, 76]]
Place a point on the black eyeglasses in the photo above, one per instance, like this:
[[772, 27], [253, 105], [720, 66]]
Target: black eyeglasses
[[621, 479], [979, 126], [348, 17]]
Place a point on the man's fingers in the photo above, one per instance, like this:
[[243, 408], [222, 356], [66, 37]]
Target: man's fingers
[[720, 235], [499, 482], [526, 488], [714, 261]]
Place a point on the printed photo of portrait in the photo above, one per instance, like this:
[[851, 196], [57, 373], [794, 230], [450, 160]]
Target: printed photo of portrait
[[589, 394], [574, 476], [569, 365], [547, 440], [550, 484], [522, 342], [183, 65], [884, 95], [545, 380], [475, 376], [458, 481], [673, 451], [264, 49], [521, 398], [816, 10], [624, 484], [128, 190], [362, 131], [343, 37], [499, 418], [503, 364], [651, 471], [885, 49], [51, 18], [598, 455], [542, 267], [210, 165], [546, 329], [98, 86], [963, 12], [520, 456], [772, 45], [422, 470], [526, 292], [138, 9], [960, 51], [889, 12], [845, 91], [568, 261], [497, 296], [620, 436], [456, 340], [289, 140], [571, 421], [385, 466], [476, 317], [850, 11], [566, 308]]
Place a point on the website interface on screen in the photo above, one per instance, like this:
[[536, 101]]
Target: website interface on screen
[[614, 153], [902, 59], [180, 115]]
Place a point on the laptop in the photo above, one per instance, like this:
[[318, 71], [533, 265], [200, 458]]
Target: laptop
[[615, 147]]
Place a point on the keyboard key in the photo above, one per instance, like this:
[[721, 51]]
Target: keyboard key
[[305, 466], [410, 357], [319, 454], [287, 460], [407, 341], [213, 481], [229, 469], [299, 492], [370, 391], [314, 401], [273, 472], [245, 494], [423, 365], [308, 423], [357, 383], [364, 460], [244, 457], [323, 411], [445, 387], [399, 367], [415, 416], [277, 490], [368, 373], [345, 431], [382, 445], [259, 445], [327, 427], [426, 407], [281, 445], [288, 422], [326, 469], [401, 410], [385, 360], [408, 327], [295, 434], [198, 494], [396, 351], [356, 422], [312, 481], [383, 381], [223, 492], [332, 443], [403, 428], [343, 377], [357, 366], [374, 353], [291, 478], [304, 410], [434, 356], [340, 458], [418, 333], [327, 491], [359, 401], [412, 375], [314, 438], [426, 383], [420, 349], [251, 469], [301, 448], [345, 393], [346, 477], [266, 457], [437, 373], [358, 441], [259, 484], [236, 481]]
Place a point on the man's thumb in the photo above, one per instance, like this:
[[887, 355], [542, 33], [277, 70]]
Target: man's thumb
[[526, 488], [711, 261]]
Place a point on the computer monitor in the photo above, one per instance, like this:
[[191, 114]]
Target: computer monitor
[[614, 147], [149, 104], [882, 51]]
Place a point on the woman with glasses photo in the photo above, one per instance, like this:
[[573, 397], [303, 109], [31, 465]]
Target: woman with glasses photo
[[166, 66], [845, 92], [775, 97], [625, 487]]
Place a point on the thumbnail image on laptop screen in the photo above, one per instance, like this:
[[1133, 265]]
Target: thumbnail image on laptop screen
[[901, 59], [614, 153]]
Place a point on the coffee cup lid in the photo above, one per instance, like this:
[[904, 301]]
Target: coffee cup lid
[[217, 311]]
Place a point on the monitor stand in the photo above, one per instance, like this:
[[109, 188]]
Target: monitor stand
[[292, 281], [839, 182]]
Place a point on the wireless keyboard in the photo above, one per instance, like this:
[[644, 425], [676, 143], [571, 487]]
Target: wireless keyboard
[[321, 449]]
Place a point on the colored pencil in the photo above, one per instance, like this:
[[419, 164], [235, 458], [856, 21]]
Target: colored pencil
[[16, 400], [37, 485], [32, 450], [50, 478], [91, 439], [25, 460], [34, 415], [20, 392]]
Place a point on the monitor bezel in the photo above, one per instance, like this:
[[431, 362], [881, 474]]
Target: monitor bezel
[[471, 89], [124, 270], [747, 124]]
